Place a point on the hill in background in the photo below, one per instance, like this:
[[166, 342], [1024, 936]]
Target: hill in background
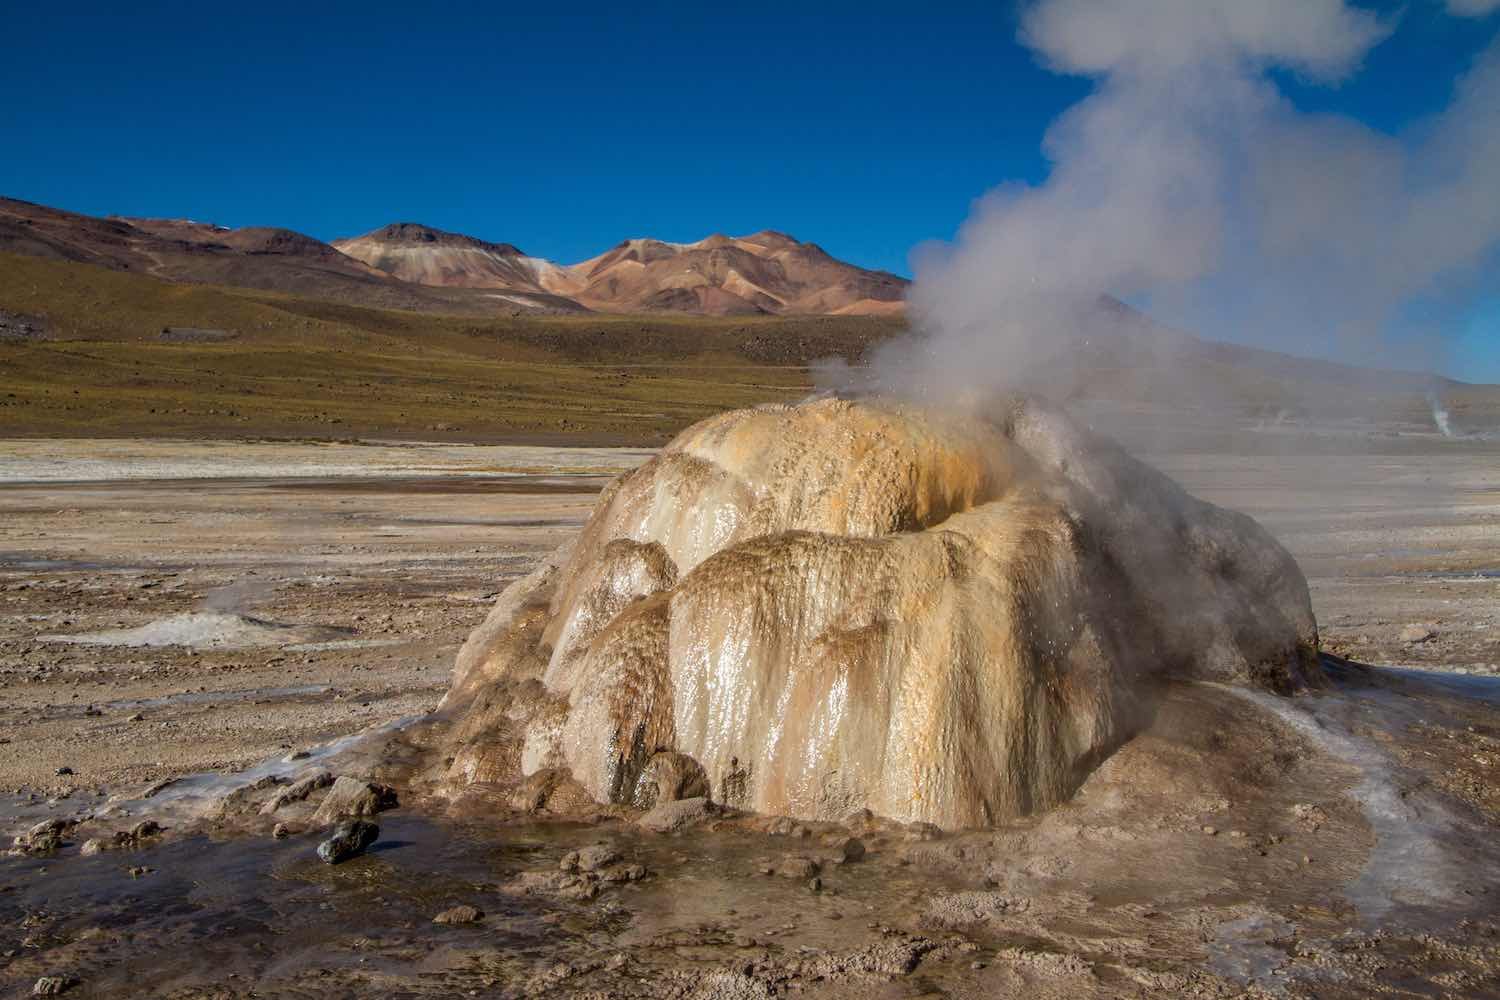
[[418, 268], [123, 327]]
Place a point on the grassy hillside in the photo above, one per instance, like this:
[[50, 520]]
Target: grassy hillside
[[301, 367], [305, 368]]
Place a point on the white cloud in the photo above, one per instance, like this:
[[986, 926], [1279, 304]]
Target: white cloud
[[1322, 37], [1472, 8]]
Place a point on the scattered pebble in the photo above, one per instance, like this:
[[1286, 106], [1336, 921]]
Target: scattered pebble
[[1417, 633]]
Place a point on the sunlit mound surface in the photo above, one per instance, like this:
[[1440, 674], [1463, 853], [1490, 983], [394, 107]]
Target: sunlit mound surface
[[939, 616]]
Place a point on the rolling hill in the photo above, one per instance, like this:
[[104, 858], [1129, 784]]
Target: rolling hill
[[414, 267], [765, 272]]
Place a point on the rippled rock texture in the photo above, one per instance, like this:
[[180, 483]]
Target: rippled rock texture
[[937, 615]]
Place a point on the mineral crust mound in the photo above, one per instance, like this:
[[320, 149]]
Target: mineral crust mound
[[941, 616]]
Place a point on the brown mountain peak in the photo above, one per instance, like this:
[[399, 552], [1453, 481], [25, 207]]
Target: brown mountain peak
[[415, 234]]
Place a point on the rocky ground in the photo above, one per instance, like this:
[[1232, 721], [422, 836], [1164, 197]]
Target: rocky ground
[[391, 571], [1338, 846]]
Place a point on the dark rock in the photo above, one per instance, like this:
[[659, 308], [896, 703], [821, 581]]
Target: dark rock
[[18, 326], [195, 335], [848, 849], [349, 839]]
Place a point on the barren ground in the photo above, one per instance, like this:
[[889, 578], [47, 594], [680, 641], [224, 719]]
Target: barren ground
[[1342, 851]]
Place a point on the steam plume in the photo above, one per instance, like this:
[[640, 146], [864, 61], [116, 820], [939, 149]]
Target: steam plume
[[1187, 183]]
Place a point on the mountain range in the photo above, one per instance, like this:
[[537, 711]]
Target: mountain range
[[415, 267]]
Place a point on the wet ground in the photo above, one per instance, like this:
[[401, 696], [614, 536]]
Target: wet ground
[[1341, 845]]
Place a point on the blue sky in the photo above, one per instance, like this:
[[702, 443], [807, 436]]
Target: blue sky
[[865, 127]]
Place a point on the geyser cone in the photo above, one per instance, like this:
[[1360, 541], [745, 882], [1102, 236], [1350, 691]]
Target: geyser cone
[[938, 616]]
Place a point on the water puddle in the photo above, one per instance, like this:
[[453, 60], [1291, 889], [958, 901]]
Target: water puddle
[[268, 915], [1414, 864], [1469, 575], [1476, 686]]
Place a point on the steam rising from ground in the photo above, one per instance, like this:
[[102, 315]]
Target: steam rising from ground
[[1188, 184], [935, 614]]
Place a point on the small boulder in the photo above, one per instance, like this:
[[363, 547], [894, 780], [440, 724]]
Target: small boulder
[[667, 777], [43, 837], [354, 797], [297, 791], [847, 850], [797, 867], [350, 838], [281, 831], [622, 873], [671, 816], [459, 915], [590, 859], [51, 986], [554, 790], [1417, 633]]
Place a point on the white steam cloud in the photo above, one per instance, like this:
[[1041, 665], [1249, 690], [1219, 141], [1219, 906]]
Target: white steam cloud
[[1472, 8], [1188, 183]]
